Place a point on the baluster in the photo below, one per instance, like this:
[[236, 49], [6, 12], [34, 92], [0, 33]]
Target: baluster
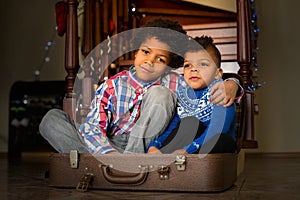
[[98, 39], [104, 61], [86, 49], [244, 60], [71, 58]]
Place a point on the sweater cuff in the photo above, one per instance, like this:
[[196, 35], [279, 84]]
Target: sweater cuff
[[192, 148]]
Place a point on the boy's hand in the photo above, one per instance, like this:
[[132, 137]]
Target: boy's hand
[[154, 150], [180, 152], [223, 93]]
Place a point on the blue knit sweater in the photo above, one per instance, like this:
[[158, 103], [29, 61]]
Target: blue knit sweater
[[217, 119]]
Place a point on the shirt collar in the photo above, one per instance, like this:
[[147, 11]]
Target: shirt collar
[[136, 83]]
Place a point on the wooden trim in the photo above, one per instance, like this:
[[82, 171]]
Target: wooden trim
[[228, 57], [225, 40], [166, 11], [210, 26]]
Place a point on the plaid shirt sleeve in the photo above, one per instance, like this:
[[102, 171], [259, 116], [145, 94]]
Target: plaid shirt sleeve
[[95, 126]]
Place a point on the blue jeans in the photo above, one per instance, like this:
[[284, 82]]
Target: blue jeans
[[62, 132], [158, 107]]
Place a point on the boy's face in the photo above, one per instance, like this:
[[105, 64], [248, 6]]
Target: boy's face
[[200, 69], [151, 60]]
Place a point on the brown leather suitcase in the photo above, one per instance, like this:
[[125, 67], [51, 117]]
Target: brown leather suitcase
[[147, 172]]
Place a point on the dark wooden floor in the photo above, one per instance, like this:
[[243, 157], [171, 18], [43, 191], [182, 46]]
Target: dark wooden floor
[[266, 176]]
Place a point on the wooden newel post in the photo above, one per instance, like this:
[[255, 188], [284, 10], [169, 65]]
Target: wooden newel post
[[71, 58], [244, 61]]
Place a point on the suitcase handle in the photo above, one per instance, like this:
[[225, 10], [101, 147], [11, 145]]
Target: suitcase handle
[[125, 178]]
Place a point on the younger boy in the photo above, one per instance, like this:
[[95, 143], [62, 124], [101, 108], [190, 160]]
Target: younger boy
[[198, 124]]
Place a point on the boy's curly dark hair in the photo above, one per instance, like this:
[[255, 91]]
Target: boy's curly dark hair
[[204, 43], [165, 23], [158, 28]]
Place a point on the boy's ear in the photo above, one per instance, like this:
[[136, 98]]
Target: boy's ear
[[219, 73]]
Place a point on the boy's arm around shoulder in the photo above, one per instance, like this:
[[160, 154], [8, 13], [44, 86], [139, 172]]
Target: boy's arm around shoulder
[[227, 92]]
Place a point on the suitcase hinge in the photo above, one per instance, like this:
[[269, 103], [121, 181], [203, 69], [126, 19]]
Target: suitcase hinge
[[163, 172], [180, 162], [74, 159], [84, 182]]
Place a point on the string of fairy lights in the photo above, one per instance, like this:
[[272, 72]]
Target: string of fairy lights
[[255, 48], [46, 58]]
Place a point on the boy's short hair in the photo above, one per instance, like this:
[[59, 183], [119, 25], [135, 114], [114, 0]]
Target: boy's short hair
[[204, 43], [175, 41]]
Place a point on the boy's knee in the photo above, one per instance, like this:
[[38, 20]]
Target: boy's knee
[[161, 94], [54, 113], [49, 118]]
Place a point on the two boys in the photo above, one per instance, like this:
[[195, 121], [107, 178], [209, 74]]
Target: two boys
[[133, 107]]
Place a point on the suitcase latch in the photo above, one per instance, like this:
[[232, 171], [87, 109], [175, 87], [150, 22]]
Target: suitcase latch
[[74, 159], [180, 162], [163, 172], [84, 182]]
